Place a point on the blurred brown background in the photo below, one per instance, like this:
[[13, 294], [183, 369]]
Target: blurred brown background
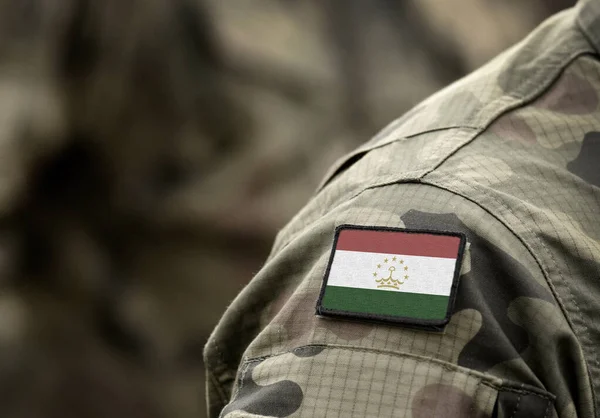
[[143, 184]]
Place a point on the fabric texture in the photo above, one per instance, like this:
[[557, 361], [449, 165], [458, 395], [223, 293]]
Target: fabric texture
[[508, 156], [392, 276]]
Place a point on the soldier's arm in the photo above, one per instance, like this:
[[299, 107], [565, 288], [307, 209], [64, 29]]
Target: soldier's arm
[[506, 351], [503, 158]]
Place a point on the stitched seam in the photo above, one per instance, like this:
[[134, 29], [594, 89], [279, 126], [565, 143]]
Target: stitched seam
[[484, 379], [222, 364], [218, 387], [520, 101], [516, 407], [428, 183], [544, 86], [540, 88], [559, 301], [586, 333], [491, 213], [367, 147], [549, 397], [547, 413], [472, 409], [538, 262], [508, 227], [241, 385]]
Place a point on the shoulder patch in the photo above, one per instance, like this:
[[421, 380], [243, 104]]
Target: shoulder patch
[[392, 275]]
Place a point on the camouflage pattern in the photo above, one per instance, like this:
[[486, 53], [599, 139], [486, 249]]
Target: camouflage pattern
[[150, 151], [509, 156]]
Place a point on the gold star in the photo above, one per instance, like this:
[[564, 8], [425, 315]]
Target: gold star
[[405, 268], [394, 259], [378, 266], [374, 274], [406, 276], [385, 261], [401, 261]]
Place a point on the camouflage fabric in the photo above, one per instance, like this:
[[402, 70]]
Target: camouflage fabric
[[509, 156], [131, 134]]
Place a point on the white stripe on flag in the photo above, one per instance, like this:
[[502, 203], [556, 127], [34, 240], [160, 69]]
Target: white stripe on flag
[[427, 275]]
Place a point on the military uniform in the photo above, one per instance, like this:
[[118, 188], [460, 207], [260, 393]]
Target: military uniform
[[508, 156]]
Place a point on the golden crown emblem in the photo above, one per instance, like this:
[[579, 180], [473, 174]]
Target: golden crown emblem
[[390, 282]]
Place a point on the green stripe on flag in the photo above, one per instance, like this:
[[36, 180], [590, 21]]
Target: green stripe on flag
[[382, 302]]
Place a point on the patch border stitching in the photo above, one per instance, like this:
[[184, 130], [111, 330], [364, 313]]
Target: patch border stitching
[[428, 324]]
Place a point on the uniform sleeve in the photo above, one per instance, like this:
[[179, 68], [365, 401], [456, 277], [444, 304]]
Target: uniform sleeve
[[507, 350]]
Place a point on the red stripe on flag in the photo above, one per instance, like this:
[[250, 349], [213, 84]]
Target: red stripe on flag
[[395, 242]]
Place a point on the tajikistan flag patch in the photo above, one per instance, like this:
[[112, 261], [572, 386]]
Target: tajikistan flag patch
[[394, 275]]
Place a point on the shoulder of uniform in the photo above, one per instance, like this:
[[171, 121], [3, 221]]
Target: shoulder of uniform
[[471, 104], [516, 76]]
